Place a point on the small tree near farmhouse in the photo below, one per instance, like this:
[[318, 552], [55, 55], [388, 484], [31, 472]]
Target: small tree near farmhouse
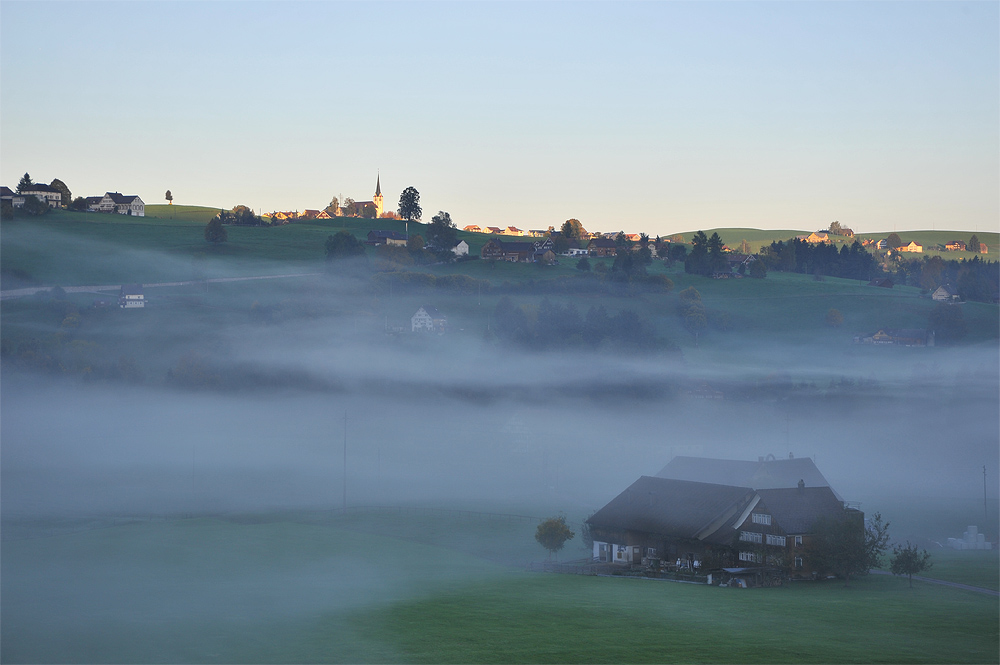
[[170, 198], [908, 560], [848, 545], [215, 232], [553, 533]]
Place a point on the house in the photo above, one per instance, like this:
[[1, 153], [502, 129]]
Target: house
[[954, 246], [513, 231], [131, 296], [710, 526], [15, 199], [315, 214], [815, 237], [882, 244], [461, 249], [495, 230], [983, 248], [602, 247], [883, 282], [377, 238], [899, 337], [766, 473], [473, 228], [514, 251], [915, 247], [945, 293], [428, 319], [45, 194], [544, 256], [123, 204]]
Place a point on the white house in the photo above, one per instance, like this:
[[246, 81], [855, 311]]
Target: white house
[[45, 194], [428, 319], [461, 249], [123, 204]]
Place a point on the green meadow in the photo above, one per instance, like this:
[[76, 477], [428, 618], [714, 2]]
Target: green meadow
[[436, 587]]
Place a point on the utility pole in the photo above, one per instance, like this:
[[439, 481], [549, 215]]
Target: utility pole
[[985, 512], [345, 460]]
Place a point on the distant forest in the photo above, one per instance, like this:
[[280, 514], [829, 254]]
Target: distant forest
[[974, 279]]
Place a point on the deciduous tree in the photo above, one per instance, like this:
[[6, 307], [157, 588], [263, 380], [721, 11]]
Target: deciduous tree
[[846, 546], [553, 533], [893, 241], [60, 186], [441, 233], [908, 560], [409, 204], [343, 245], [169, 197], [573, 229]]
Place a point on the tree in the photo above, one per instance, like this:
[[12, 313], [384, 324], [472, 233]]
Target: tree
[[847, 545], [947, 322], [343, 245], [79, 203], [350, 207], [409, 204], [334, 208], [908, 560], [573, 229], [893, 241], [215, 232], [835, 228], [553, 533], [834, 318], [441, 233], [583, 265], [415, 244], [973, 245], [25, 183], [369, 211], [169, 197], [34, 206], [60, 186]]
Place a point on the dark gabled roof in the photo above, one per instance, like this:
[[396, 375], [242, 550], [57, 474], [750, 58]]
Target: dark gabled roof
[[93, 199], [677, 508], [388, 235], [5, 191], [603, 242], [763, 474], [516, 246], [121, 199], [39, 187], [797, 509]]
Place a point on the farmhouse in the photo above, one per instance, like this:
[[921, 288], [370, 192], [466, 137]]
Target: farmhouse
[[955, 246], [515, 251], [123, 204], [131, 296], [899, 337], [428, 319], [45, 194], [602, 247], [815, 237], [766, 473], [945, 293], [706, 526], [377, 238], [913, 246]]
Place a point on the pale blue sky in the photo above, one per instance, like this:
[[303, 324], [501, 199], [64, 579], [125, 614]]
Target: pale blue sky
[[654, 117]]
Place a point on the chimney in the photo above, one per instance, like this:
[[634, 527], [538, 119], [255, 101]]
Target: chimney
[[802, 484]]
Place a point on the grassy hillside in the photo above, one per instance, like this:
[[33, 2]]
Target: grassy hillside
[[414, 588]]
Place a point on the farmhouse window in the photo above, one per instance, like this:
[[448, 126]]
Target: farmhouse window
[[750, 557], [798, 541], [760, 518], [751, 537], [798, 562], [776, 540], [650, 552]]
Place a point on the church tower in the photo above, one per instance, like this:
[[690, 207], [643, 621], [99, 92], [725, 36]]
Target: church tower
[[377, 199]]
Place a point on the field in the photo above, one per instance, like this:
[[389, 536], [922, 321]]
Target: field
[[428, 587]]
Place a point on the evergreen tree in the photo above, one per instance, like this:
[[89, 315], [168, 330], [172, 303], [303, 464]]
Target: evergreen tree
[[24, 184], [973, 245]]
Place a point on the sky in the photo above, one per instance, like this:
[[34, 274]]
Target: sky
[[645, 117]]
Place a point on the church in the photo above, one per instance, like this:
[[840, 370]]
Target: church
[[376, 200]]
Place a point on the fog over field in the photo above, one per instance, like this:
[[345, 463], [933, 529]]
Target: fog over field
[[456, 421]]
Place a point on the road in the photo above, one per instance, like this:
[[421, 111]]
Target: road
[[954, 585], [30, 291]]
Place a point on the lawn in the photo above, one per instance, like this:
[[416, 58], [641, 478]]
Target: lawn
[[425, 587]]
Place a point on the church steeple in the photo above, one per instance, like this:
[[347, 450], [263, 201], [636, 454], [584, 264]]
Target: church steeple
[[377, 199]]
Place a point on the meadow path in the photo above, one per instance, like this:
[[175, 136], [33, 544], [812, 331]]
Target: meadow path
[[30, 291], [955, 585]]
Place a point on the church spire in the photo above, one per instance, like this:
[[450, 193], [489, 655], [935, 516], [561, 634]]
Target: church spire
[[378, 185]]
